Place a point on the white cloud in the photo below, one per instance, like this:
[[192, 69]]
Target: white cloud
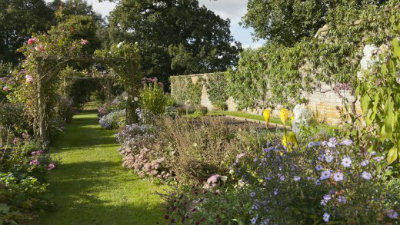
[[232, 9]]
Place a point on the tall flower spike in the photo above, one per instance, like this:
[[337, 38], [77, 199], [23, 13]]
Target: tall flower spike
[[284, 115], [267, 115]]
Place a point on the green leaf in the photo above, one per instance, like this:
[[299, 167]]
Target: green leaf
[[396, 47], [389, 118], [365, 100], [392, 155]]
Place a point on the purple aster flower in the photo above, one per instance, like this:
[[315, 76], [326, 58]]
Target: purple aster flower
[[342, 199], [378, 159], [252, 194], [296, 178], [365, 175], [282, 178], [332, 143], [338, 176], [346, 161], [325, 217], [317, 182], [275, 191], [328, 158], [318, 167], [364, 163], [313, 144], [321, 158], [392, 214], [373, 153], [325, 174], [254, 220], [326, 199], [346, 142]]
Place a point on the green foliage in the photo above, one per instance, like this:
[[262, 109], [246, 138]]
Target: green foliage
[[18, 20], [288, 22], [13, 117], [185, 91], [175, 37], [269, 76], [152, 98], [380, 99], [216, 85]]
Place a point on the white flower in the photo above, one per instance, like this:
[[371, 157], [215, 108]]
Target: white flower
[[120, 44], [346, 162], [296, 178], [365, 175]]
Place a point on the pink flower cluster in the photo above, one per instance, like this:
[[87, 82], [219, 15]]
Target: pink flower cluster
[[29, 78], [51, 166], [37, 153], [84, 42]]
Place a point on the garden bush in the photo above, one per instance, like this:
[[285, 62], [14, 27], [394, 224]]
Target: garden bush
[[152, 97], [113, 120]]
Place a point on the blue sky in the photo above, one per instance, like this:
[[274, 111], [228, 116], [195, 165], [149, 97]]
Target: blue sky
[[232, 9]]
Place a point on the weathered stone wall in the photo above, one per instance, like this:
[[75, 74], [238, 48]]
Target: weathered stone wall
[[324, 103]]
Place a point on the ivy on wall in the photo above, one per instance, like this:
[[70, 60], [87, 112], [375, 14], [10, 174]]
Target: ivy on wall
[[217, 89], [185, 91]]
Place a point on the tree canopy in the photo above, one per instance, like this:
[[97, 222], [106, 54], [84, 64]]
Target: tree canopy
[[18, 20], [175, 36], [288, 21]]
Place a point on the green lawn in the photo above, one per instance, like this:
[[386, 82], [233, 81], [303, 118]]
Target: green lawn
[[90, 187]]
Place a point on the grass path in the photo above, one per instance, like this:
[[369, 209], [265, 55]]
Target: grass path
[[90, 187]]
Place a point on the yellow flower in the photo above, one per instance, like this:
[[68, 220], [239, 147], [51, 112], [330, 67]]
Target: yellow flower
[[289, 141], [284, 115], [267, 114]]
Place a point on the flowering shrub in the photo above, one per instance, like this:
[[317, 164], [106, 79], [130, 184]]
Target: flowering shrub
[[113, 120], [23, 167], [325, 182]]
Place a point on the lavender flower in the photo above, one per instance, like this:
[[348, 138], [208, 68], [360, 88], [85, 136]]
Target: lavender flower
[[364, 163], [346, 161], [332, 143], [328, 158], [338, 176], [296, 178], [325, 175], [365, 175], [326, 217], [318, 167], [342, 199], [346, 142], [392, 214]]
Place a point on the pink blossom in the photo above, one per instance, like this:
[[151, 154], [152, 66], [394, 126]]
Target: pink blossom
[[51, 166], [5, 88], [84, 42], [34, 162], [29, 78], [31, 41]]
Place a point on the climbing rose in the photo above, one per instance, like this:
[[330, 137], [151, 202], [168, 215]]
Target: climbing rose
[[31, 41], [84, 42], [39, 48], [5, 88]]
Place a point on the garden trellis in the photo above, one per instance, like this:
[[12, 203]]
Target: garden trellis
[[45, 59]]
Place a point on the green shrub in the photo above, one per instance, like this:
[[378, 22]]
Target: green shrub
[[217, 89], [185, 92], [153, 99]]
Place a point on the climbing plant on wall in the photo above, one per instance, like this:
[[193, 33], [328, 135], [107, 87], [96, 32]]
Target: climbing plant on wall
[[185, 91], [216, 85]]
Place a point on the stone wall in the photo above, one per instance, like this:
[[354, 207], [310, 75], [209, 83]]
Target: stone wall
[[324, 103]]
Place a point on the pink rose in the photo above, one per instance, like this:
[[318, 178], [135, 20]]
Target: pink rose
[[84, 42], [5, 88], [31, 41]]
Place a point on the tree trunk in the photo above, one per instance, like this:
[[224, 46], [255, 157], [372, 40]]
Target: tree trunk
[[132, 104]]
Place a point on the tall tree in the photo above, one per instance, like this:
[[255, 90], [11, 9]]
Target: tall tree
[[18, 20], [67, 8], [175, 36], [288, 21]]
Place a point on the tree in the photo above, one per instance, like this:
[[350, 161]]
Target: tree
[[174, 36], [288, 21], [67, 8], [18, 20]]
